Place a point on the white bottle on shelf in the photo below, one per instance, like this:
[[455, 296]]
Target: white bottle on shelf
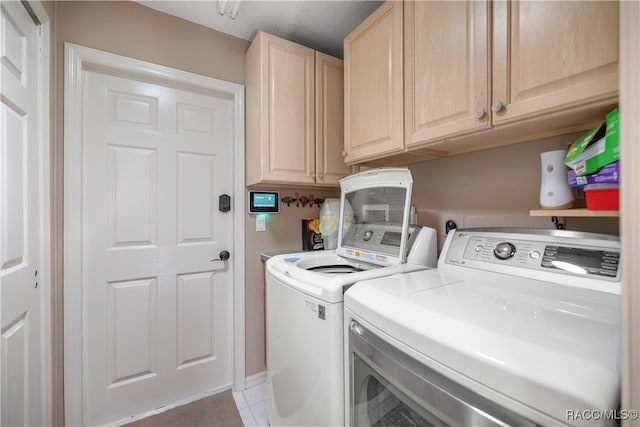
[[555, 192]]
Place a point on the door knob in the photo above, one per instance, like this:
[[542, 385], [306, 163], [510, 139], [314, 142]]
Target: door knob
[[222, 256], [497, 106]]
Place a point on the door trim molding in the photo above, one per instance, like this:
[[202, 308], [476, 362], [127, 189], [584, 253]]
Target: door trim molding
[[44, 221], [45, 212], [77, 59], [630, 204]]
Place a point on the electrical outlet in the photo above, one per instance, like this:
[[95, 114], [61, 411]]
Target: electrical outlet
[[261, 224], [454, 216]]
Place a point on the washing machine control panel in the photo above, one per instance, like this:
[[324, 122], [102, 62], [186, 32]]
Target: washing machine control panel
[[598, 262], [382, 238], [542, 252], [504, 250]]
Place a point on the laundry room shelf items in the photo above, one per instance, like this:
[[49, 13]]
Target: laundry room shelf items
[[303, 200]]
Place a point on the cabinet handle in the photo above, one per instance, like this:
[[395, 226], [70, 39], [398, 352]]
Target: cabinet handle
[[497, 106], [344, 154], [479, 113]]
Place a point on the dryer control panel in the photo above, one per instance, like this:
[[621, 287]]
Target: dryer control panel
[[550, 251], [533, 254]]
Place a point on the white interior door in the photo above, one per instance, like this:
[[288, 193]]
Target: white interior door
[[22, 348], [158, 325]]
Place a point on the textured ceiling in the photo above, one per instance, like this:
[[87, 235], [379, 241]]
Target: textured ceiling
[[321, 25]]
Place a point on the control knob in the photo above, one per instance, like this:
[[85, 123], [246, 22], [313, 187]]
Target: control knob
[[504, 250], [367, 235]]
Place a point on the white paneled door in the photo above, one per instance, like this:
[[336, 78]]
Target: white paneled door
[[158, 306], [23, 349]]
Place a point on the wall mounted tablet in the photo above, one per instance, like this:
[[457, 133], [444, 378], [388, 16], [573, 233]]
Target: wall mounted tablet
[[264, 202]]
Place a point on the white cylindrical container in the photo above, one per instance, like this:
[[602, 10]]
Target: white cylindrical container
[[555, 192]]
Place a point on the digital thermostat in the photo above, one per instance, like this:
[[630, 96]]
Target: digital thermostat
[[264, 202]]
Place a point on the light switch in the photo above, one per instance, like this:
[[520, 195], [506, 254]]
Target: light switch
[[261, 224]]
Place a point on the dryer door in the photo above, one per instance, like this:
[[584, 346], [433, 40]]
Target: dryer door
[[388, 387]]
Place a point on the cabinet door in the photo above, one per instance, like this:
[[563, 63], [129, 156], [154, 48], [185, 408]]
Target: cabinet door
[[553, 55], [330, 165], [288, 111], [446, 69], [373, 85]]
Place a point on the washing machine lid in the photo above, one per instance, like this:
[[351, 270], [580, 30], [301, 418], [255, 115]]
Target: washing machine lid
[[325, 274], [374, 216], [550, 347]]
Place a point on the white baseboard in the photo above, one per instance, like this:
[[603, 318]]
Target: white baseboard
[[255, 379]]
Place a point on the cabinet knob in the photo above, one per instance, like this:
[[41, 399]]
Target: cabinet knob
[[479, 113], [497, 106], [344, 154], [313, 175]]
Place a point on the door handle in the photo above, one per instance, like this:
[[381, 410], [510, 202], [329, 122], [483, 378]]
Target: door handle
[[222, 256], [355, 327]]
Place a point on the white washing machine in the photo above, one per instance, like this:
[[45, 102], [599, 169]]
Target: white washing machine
[[515, 327], [305, 380]]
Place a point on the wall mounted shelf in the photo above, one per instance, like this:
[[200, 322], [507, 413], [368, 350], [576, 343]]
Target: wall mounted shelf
[[567, 213]]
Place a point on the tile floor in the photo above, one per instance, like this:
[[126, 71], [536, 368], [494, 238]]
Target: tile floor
[[252, 405]]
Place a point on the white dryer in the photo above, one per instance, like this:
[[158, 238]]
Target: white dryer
[[515, 327], [305, 379]]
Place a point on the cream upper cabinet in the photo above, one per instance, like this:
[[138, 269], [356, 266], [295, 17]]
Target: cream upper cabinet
[[373, 85], [552, 55], [285, 144], [477, 74], [280, 111], [330, 165], [446, 69]]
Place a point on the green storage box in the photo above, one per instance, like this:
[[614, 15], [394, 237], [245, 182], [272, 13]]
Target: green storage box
[[597, 148]]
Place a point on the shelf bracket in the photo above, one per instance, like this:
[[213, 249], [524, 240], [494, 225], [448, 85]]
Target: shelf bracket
[[559, 222]]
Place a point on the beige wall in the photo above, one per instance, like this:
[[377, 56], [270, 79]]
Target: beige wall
[[283, 234], [133, 30], [495, 187]]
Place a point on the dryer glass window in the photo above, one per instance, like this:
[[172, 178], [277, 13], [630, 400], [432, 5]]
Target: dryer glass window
[[390, 388], [380, 404]]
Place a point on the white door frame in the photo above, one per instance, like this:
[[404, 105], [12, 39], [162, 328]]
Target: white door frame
[[630, 205], [44, 108], [78, 58]]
